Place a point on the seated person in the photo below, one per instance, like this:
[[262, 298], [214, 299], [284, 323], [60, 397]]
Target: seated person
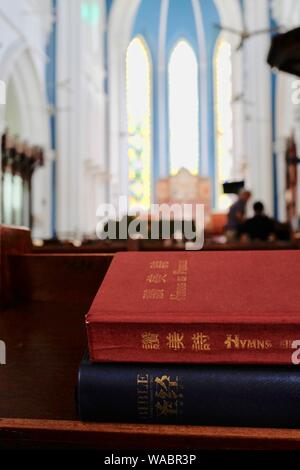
[[236, 215], [260, 227]]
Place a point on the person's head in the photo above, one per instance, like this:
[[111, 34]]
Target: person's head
[[245, 195], [258, 208]]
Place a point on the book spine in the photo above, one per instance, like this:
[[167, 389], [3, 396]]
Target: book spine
[[198, 395], [192, 343]]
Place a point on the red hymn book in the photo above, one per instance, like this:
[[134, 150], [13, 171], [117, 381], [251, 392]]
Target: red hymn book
[[204, 307]]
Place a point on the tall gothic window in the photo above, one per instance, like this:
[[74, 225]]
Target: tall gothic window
[[139, 119], [183, 108], [224, 120]]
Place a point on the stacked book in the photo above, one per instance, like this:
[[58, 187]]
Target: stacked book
[[195, 338]]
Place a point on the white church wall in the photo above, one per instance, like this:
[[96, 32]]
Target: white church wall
[[287, 14], [284, 129], [81, 119], [258, 120], [91, 118], [119, 31], [24, 30], [231, 16]]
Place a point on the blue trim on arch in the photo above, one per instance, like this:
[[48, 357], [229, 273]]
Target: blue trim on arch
[[181, 24], [242, 4], [146, 25], [274, 159], [108, 5], [51, 95], [211, 17], [274, 83], [105, 47], [105, 83], [51, 74]]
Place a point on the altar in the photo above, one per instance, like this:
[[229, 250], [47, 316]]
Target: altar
[[185, 188]]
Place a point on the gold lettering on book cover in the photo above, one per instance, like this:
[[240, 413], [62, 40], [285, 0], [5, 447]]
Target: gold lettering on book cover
[[168, 396], [159, 275], [286, 344], [150, 340], [182, 268], [156, 278], [159, 264], [153, 294], [236, 342], [181, 281], [143, 396], [175, 341], [161, 396], [200, 342]]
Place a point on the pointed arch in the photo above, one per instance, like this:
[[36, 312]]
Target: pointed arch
[[231, 13], [26, 114], [139, 121], [183, 104], [223, 76]]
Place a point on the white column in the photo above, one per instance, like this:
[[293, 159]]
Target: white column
[[81, 119], [119, 31], [258, 91], [23, 36], [66, 150], [296, 119], [284, 129], [162, 70], [286, 13]]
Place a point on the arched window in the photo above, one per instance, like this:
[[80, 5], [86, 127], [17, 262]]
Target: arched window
[[183, 109], [139, 119], [224, 120]]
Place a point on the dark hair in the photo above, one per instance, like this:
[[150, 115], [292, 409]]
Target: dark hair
[[258, 207]]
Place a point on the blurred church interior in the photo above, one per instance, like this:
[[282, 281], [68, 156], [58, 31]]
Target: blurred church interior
[[106, 98]]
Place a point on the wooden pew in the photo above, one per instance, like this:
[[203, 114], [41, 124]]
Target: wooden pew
[[43, 328], [94, 247], [159, 245], [12, 242]]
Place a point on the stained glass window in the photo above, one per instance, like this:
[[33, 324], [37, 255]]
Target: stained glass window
[[183, 109], [224, 120], [139, 119]]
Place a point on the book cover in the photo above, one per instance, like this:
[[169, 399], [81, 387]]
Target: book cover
[[208, 395], [204, 307]]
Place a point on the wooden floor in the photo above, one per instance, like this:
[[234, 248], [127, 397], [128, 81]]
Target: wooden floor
[[43, 326]]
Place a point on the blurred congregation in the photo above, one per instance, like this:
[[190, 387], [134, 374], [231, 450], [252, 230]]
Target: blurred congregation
[[159, 101]]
